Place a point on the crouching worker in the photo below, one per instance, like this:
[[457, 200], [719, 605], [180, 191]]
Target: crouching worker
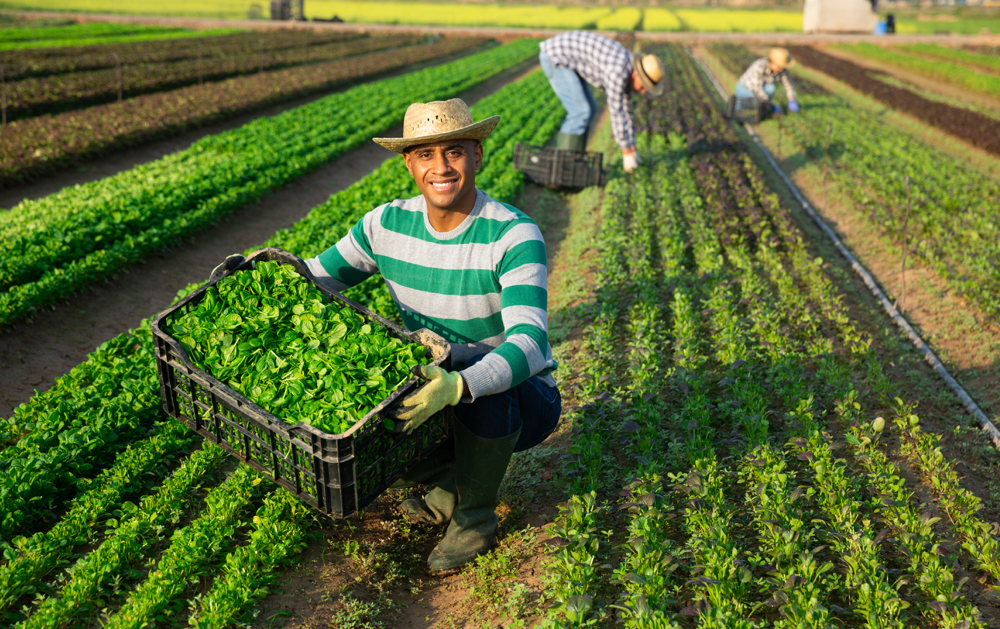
[[759, 80], [473, 270], [573, 59]]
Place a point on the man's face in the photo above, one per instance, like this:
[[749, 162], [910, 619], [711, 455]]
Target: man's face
[[637, 85], [775, 67], [445, 172]]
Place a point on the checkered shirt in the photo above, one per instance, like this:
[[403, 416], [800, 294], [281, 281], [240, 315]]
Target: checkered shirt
[[760, 73], [605, 64]]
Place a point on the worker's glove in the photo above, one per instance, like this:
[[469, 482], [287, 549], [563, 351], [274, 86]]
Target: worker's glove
[[776, 108], [443, 388], [793, 106], [231, 263], [630, 162]]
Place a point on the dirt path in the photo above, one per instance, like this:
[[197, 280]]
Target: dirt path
[[96, 168], [36, 352]]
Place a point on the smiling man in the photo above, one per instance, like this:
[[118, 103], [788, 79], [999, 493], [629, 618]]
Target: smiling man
[[473, 270]]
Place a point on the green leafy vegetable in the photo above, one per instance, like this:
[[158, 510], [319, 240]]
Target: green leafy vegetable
[[274, 337]]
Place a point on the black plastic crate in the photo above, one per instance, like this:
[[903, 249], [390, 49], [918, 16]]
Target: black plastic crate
[[549, 166], [336, 474], [747, 110]]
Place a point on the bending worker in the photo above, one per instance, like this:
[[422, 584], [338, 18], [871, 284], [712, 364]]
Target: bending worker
[[573, 59], [758, 81], [474, 271]]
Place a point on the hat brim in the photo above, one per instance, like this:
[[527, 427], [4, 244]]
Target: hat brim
[[478, 131], [653, 89]]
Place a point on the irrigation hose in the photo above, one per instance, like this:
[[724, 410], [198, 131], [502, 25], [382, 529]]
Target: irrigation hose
[[970, 405]]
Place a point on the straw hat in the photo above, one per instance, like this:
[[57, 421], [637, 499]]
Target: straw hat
[[650, 72], [781, 57], [437, 121]]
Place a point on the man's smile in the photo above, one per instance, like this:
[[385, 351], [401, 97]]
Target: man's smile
[[447, 185]]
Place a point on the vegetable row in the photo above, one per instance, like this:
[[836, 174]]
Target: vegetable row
[[33, 96], [49, 61]]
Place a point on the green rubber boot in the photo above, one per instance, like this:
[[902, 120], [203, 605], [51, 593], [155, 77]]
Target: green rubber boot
[[437, 470], [571, 142], [480, 465]]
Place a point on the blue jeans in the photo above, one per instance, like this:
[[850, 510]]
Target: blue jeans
[[532, 406], [574, 94], [742, 91]]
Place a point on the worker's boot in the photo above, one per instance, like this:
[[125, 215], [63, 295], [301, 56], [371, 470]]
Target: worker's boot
[[437, 470], [480, 465], [571, 142]]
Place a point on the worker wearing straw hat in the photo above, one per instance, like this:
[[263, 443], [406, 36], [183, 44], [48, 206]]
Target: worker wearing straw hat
[[473, 270], [759, 80], [573, 59]]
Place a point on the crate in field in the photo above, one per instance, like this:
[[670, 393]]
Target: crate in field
[[549, 166], [747, 110], [336, 474]]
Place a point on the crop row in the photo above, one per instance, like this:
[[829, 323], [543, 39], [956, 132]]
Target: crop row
[[115, 221], [953, 226], [72, 36], [34, 96], [218, 546], [971, 126], [738, 507], [942, 68], [970, 58], [42, 144], [48, 61]]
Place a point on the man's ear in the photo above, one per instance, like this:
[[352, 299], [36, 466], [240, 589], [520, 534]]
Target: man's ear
[[479, 155], [406, 158]]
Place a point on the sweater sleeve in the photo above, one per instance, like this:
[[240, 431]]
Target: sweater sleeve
[[352, 259], [523, 307]]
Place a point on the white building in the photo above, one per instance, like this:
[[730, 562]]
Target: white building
[[839, 16]]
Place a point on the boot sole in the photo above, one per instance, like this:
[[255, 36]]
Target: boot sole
[[450, 571], [413, 520]]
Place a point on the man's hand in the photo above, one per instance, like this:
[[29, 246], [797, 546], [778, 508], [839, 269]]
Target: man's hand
[[229, 264], [793, 106], [776, 108], [443, 388], [630, 159]]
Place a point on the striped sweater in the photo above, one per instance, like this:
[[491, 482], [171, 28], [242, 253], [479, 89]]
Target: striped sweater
[[482, 286]]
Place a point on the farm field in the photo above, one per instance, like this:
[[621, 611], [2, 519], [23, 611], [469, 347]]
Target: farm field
[[745, 440], [958, 318], [46, 143], [536, 15]]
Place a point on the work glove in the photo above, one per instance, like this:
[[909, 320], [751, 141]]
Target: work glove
[[776, 108], [631, 161], [443, 388], [231, 263], [793, 106]]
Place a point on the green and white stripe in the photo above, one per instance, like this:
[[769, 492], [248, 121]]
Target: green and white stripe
[[482, 286]]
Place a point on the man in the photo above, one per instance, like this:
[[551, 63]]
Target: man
[[573, 59], [759, 80], [474, 271]]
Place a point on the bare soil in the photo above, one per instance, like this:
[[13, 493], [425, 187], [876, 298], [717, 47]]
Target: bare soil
[[38, 351]]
